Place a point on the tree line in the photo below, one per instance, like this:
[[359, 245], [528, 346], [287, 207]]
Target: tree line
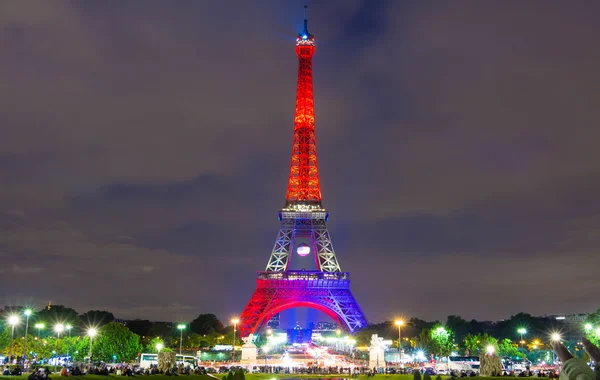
[[116, 340], [125, 340], [522, 335]]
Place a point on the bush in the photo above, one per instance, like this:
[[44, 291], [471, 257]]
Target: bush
[[427, 376], [417, 375], [438, 377], [239, 374]]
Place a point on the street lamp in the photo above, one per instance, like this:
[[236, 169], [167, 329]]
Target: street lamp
[[266, 351], [13, 320], [159, 346], [180, 327], [555, 338], [490, 350], [39, 327], [588, 327], [27, 313], [522, 332], [598, 332], [92, 332], [58, 328], [399, 323], [235, 321], [68, 327]]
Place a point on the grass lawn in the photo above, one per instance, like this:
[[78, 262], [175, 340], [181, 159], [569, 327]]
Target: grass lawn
[[251, 376]]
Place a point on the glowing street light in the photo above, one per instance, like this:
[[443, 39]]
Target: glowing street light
[[588, 327], [92, 332], [58, 328], [399, 323], [598, 331], [68, 328], [555, 337], [522, 331], [159, 346], [27, 313], [180, 327], [490, 350], [13, 320], [39, 327], [266, 350], [235, 321]]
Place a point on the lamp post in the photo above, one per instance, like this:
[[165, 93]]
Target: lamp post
[[159, 346], [269, 335], [399, 323], [556, 338], [39, 327], [68, 327], [521, 332], [180, 327], [13, 320], [266, 351], [235, 321], [58, 329], [27, 313], [91, 333]]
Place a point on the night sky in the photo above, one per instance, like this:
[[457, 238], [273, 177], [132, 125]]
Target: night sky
[[145, 147]]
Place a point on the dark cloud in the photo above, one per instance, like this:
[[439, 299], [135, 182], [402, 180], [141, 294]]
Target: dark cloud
[[147, 142]]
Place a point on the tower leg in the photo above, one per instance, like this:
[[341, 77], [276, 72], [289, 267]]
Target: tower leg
[[332, 297]]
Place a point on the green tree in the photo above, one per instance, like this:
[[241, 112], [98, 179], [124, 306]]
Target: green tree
[[425, 340], [151, 345], [486, 341], [441, 340], [507, 348], [458, 325], [471, 343], [417, 375], [96, 318], [116, 342], [56, 314], [592, 327], [140, 326], [363, 337], [205, 324]]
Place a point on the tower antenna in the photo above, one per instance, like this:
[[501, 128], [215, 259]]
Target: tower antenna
[[305, 31]]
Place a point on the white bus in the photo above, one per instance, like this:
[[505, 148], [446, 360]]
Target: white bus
[[459, 364], [147, 360]]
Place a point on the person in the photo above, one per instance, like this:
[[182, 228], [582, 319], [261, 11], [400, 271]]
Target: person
[[6, 371], [574, 368], [64, 372]]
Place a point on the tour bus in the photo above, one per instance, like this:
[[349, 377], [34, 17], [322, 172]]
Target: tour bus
[[459, 364], [148, 360]]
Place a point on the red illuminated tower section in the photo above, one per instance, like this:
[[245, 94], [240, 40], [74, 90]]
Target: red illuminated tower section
[[303, 184], [279, 287]]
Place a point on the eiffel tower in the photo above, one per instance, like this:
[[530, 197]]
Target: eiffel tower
[[279, 288]]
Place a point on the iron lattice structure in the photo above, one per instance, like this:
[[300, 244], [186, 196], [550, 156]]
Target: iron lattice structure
[[327, 288]]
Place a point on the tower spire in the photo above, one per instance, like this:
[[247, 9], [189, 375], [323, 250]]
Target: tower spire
[[305, 31], [304, 189]]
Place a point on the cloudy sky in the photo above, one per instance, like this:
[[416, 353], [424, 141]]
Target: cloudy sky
[[145, 146]]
